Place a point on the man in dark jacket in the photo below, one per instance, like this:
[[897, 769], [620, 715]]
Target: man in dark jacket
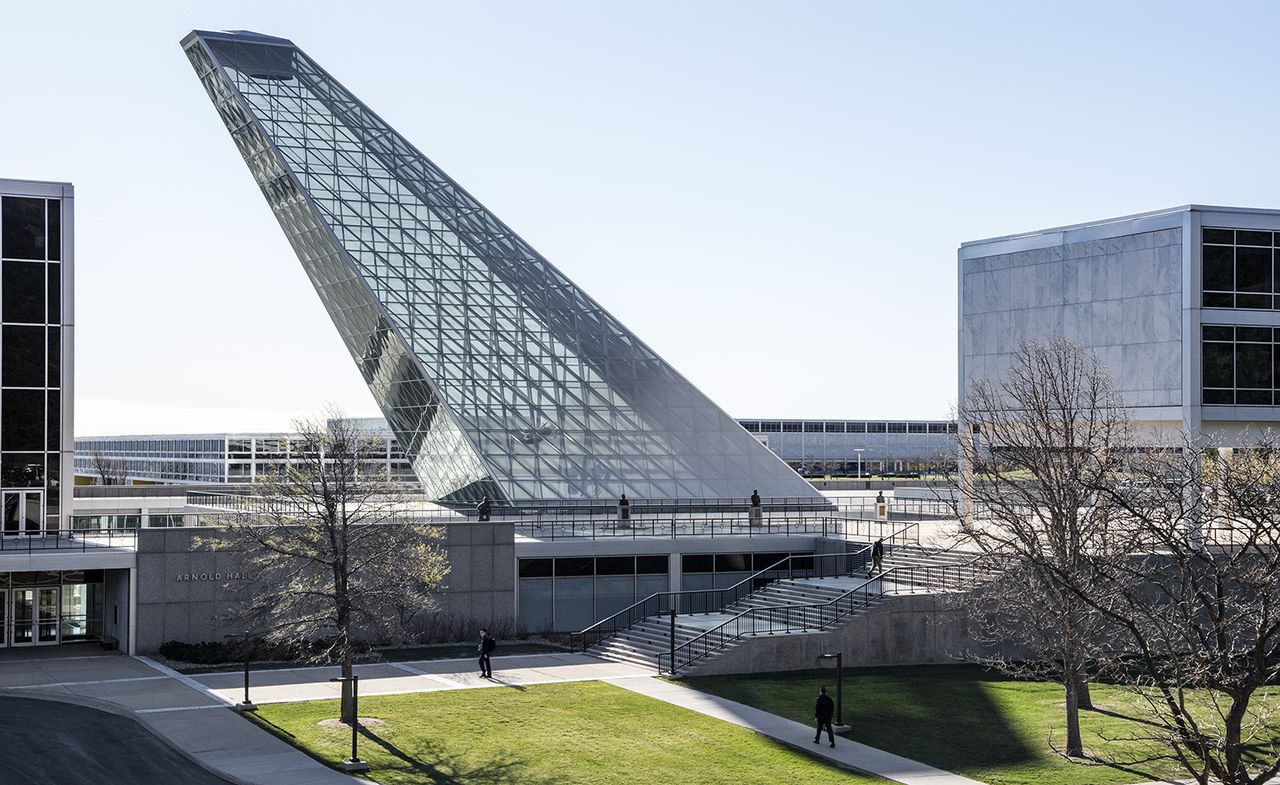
[[486, 647], [822, 712], [877, 555]]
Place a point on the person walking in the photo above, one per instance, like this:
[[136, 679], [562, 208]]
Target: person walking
[[822, 712], [486, 647], [877, 555]]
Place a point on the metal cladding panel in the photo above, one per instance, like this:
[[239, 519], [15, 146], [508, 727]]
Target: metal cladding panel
[[497, 373]]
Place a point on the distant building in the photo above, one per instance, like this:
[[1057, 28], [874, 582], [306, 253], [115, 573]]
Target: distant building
[[845, 447], [812, 447], [214, 458]]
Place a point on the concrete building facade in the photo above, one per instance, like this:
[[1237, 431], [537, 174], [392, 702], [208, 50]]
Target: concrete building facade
[[1178, 304]]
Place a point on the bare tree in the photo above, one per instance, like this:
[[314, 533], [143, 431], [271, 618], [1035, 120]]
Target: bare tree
[[1047, 429], [330, 559], [1194, 612], [110, 471]]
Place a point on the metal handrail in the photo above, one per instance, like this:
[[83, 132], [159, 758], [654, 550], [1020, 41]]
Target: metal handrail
[[901, 575], [596, 630], [771, 611], [68, 539]]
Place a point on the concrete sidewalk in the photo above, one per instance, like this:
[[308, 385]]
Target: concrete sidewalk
[[290, 685], [848, 754]]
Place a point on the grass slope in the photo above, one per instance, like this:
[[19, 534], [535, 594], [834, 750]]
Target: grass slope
[[584, 732]]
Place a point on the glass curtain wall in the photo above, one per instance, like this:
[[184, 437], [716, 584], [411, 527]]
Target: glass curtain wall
[[30, 363]]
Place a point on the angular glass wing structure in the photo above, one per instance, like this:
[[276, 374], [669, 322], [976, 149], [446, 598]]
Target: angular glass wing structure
[[497, 374]]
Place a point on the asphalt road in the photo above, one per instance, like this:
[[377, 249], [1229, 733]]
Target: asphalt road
[[54, 743]]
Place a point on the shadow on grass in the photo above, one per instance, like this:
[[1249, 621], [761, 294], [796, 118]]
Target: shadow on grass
[[945, 716], [442, 769]]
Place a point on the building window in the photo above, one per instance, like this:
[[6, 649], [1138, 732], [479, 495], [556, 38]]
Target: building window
[[1238, 365], [813, 427], [897, 427], [1238, 268], [792, 427]]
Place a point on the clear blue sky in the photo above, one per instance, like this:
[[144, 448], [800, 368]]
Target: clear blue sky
[[778, 186]]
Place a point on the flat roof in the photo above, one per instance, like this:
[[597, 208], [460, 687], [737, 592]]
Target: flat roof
[[1123, 219]]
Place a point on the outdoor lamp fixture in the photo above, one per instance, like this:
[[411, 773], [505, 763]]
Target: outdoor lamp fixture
[[840, 727], [353, 763]]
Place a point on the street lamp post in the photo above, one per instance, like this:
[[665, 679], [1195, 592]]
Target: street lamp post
[[353, 763], [840, 727], [859, 450], [246, 704]]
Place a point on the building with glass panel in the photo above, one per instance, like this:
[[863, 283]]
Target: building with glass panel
[[1182, 306], [36, 257], [218, 458], [496, 373]]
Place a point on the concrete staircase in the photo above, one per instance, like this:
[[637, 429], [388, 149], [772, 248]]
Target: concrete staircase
[[643, 642], [818, 604]]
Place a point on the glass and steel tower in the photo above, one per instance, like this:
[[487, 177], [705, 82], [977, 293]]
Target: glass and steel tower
[[497, 374]]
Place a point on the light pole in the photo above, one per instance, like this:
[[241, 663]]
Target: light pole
[[859, 450], [353, 763], [840, 727]]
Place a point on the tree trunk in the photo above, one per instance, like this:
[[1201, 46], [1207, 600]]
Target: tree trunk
[[1083, 699], [1075, 749]]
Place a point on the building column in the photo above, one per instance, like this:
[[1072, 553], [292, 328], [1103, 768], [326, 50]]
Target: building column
[[673, 572], [132, 621]]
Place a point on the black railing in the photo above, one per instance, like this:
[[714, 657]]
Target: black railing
[[68, 540], [771, 620], [831, 565]]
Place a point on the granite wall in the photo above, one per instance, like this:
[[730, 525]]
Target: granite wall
[[1119, 296], [185, 590]]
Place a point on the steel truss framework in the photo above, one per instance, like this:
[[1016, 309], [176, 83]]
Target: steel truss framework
[[498, 375]]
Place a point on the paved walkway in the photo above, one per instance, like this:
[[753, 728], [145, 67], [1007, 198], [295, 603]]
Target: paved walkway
[[192, 718], [847, 754], [290, 685], [193, 712]]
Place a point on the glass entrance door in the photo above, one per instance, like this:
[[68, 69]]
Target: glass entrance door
[[23, 511], [47, 615], [24, 614]]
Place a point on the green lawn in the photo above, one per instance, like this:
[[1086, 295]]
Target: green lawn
[[405, 654], [585, 732], [963, 719]]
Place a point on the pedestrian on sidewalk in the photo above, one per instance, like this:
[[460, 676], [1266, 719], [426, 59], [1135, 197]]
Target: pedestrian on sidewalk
[[877, 556], [823, 710], [486, 647]]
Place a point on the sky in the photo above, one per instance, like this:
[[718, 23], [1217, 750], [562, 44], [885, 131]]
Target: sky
[[770, 194]]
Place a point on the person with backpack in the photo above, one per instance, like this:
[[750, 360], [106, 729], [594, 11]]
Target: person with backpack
[[823, 710], [486, 647], [877, 556]]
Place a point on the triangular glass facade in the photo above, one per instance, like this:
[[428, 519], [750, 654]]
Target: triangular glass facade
[[498, 375]]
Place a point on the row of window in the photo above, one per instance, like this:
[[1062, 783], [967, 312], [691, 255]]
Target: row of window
[[837, 426], [30, 228], [1239, 365], [1240, 268]]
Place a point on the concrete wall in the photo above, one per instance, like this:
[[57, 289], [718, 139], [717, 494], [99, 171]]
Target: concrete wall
[[1120, 296], [904, 630], [115, 607], [184, 591]]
